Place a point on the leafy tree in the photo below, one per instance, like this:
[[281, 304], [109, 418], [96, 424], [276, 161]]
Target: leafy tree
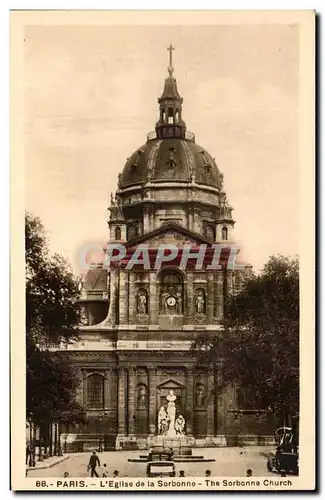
[[52, 316], [258, 350]]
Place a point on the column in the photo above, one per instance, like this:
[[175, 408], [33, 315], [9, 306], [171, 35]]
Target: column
[[190, 217], [84, 388], [107, 389], [229, 283], [132, 298], [132, 388], [189, 295], [123, 298], [210, 298], [153, 319], [210, 405], [111, 318], [146, 219], [152, 400], [220, 412], [196, 221], [152, 218], [219, 294], [189, 401], [121, 400]]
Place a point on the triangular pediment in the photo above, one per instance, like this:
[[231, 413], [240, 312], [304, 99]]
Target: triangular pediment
[[170, 384], [169, 234]]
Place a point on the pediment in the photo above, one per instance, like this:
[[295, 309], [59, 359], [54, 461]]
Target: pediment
[[171, 384], [170, 234], [171, 238]]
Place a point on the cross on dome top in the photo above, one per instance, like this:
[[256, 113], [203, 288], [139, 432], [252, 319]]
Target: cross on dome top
[[170, 67]]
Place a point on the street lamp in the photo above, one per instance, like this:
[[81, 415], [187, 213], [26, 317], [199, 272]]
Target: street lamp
[[65, 444]]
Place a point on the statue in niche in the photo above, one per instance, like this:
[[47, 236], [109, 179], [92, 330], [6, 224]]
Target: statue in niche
[[84, 317], [142, 302], [142, 397], [180, 425], [200, 396], [200, 302]]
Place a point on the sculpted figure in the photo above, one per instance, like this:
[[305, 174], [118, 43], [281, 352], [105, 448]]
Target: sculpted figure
[[200, 397], [200, 302], [83, 317], [142, 397], [163, 421], [142, 302], [171, 411], [180, 425]]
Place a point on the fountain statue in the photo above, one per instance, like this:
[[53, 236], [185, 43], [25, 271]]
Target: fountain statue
[[168, 424]]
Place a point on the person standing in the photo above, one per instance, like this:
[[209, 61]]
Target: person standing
[[93, 462], [105, 471]]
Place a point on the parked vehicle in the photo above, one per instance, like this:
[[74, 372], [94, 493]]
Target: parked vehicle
[[286, 458]]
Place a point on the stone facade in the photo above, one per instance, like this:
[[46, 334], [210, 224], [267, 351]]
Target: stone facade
[[139, 324]]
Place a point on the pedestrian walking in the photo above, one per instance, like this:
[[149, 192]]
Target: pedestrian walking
[[66, 474], [93, 462], [28, 454], [249, 473], [208, 473], [105, 471], [181, 473], [115, 473]]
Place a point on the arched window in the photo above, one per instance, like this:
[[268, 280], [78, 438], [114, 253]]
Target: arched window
[[209, 232], [95, 391], [117, 233], [224, 233], [132, 232]]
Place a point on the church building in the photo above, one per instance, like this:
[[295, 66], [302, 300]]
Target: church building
[[134, 353]]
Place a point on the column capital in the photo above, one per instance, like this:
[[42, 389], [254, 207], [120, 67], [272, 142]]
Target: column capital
[[132, 370]]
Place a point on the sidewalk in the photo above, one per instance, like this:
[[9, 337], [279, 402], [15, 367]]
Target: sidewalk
[[48, 462]]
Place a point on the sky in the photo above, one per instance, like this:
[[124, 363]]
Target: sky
[[91, 97]]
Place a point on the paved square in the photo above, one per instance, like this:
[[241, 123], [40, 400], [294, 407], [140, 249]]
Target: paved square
[[229, 462]]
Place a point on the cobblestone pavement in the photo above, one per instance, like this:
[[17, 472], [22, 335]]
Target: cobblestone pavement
[[229, 462]]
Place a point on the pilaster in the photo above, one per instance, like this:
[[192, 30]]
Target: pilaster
[[189, 401], [152, 405], [219, 294], [210, 298], [123, 298], [210, 405], [111, 318], [132, 298], [153, 318], [121, 400], [132, 387], [189, 296]]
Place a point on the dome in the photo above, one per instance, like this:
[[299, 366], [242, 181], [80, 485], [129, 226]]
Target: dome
[[174, 159]]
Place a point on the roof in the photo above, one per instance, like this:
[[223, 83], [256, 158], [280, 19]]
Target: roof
[[170, 160]]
